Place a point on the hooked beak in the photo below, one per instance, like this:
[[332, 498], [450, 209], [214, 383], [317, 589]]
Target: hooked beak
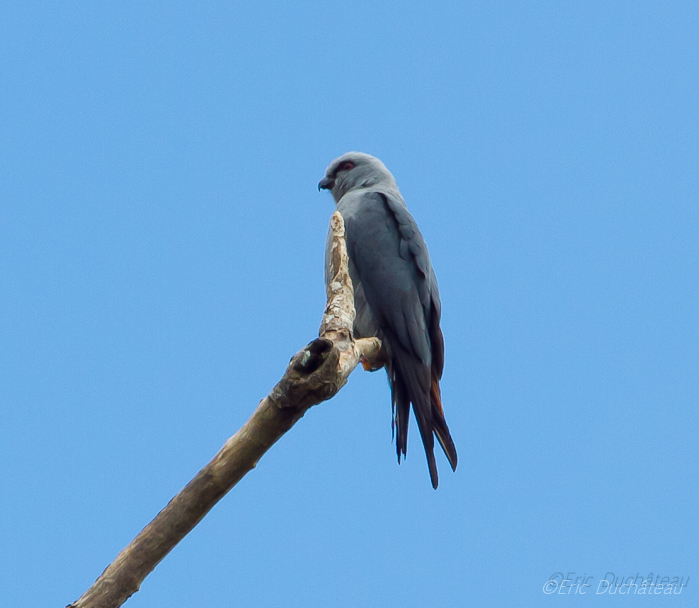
[[326, 184]]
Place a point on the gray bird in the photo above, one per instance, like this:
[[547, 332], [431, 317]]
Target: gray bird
[[396, 295]]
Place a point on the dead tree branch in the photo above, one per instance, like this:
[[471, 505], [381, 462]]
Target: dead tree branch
[[315, 373]]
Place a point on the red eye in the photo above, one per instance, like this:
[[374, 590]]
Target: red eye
[[346, 166]]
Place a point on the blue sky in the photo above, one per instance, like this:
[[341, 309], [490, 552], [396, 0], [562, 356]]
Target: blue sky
[[161, 259]]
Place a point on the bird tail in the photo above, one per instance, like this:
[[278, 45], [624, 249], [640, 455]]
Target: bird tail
[[427, 405]]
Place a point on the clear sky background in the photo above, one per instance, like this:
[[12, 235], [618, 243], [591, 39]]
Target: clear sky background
[[161, 259]]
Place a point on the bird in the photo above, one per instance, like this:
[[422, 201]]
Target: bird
[[395, 294]]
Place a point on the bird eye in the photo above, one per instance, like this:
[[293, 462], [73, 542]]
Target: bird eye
[[346, 166]]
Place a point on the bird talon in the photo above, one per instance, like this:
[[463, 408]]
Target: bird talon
[[372, 366]]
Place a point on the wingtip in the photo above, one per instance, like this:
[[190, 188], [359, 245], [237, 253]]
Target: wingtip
[[452, 456], [432, 466], [441, 430]]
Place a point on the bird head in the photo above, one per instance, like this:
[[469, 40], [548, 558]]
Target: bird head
[[355, 170]]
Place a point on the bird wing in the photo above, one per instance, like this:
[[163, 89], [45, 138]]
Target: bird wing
[[392, 264]]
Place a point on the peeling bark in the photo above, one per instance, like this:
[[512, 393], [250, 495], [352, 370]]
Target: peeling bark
[[316, 373]]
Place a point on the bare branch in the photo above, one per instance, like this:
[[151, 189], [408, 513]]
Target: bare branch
[[315, 373]]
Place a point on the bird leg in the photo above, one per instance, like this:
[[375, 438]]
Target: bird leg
[[375, 363]]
